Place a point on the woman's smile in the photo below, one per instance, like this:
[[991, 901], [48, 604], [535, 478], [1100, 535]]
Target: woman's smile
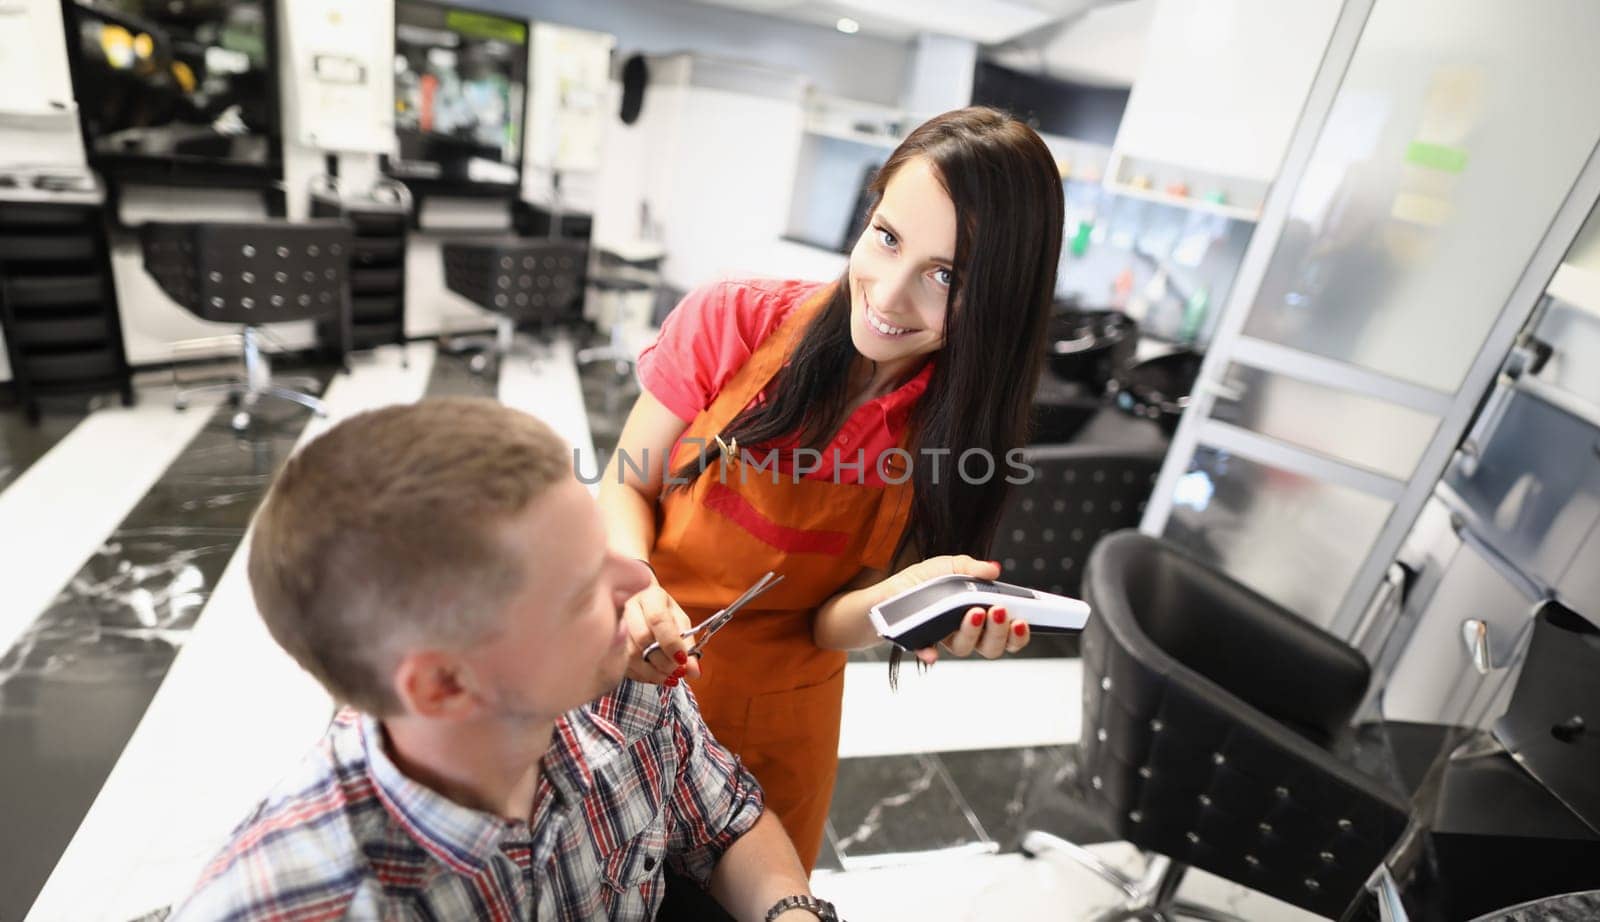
[[883, 327]]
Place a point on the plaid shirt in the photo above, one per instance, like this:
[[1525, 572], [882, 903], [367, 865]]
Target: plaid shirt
[[628, 782]]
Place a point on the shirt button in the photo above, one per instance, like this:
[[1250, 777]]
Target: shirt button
[[649, 864]]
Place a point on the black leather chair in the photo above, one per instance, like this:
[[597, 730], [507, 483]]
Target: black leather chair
[[1209, 717], [522, 281], [251, 274], [1078, 494]]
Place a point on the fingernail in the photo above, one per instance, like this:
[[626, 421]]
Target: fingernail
[[999, 616], [996, 563], [681, 657], [977, 619], [1020, 629], [670, 683], [679, 673]]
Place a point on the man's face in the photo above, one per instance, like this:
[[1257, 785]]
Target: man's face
[[561, 642]]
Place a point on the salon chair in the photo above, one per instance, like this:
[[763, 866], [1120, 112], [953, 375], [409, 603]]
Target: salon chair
[[522, 281], [1078, 494], [252, 274], [1209, 716]]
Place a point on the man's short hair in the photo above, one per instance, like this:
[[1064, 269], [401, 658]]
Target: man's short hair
[[381, 536]]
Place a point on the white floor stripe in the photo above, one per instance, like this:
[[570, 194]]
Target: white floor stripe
[[63, 508], [546, 385], [233, 715], [977, 888], [961, 704]]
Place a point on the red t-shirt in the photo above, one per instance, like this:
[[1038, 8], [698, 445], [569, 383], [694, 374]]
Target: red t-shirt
[[715, 329]]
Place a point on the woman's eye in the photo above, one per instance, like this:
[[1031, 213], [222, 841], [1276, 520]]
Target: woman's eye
[[886, 238], [944, 277]]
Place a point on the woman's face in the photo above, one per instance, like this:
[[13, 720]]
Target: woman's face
[[902, 268]]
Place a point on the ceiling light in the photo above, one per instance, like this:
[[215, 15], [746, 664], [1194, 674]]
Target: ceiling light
[[847, 25]]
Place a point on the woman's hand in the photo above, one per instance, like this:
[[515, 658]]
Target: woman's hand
[[653, 616], [990, 632]]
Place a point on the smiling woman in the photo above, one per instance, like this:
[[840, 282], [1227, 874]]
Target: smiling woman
[[926, 350]]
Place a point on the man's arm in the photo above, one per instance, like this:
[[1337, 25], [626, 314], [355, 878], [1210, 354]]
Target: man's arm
[[758, 870]]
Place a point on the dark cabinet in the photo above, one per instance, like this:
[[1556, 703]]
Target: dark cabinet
[[58, 303]]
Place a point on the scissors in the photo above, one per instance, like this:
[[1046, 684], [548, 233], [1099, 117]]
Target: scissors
[[702, 632]]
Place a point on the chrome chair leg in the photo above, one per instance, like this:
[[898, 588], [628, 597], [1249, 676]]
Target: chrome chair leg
[[1153, 896], [293, 396]]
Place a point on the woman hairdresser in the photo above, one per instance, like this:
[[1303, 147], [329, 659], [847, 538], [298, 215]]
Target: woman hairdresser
[[926, 348]]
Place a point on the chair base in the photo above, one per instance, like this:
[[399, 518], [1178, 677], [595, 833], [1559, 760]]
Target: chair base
[[485, 353], [247, 393], [617, 350], [1152, 896]]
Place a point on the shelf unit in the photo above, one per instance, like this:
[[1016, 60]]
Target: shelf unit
[[1235, 212], [377, 272], [57, 302], [1243, 197]]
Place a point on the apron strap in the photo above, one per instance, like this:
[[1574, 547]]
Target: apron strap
[[757, 372]]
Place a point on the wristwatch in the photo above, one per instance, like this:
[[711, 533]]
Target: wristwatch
[[822, 909]]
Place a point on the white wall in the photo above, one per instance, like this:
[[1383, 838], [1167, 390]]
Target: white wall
[[1223, 83], [940, 75], [854, 66], [1104, 47]]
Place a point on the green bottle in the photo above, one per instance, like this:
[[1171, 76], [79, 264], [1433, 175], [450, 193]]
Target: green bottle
[[1194, 315], [1080, 238]]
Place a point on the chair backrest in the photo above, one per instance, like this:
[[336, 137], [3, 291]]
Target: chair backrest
[[1078, 494], [252, 272], [1175, 763], [528, 279]]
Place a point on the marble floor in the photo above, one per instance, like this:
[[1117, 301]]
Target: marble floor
[[143, 709]]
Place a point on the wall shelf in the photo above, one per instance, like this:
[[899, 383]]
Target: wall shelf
[[1236, 212], [1577, 285]]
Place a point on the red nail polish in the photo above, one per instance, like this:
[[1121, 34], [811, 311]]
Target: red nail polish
[[977, 619], [681, 657], [999, 616], [1020, 629], [670, 683], [679, 673]]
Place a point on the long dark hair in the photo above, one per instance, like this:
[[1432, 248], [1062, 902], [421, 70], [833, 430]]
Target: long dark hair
[[1003, 182]]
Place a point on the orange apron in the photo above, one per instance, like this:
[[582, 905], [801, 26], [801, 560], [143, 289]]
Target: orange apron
[[767, 691]]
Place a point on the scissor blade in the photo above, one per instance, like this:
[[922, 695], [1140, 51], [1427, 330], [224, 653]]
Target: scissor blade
[[762, 585]]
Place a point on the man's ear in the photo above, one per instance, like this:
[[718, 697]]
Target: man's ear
[[435, 684]]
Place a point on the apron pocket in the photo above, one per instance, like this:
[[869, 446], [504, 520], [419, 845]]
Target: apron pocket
[[797, 715]]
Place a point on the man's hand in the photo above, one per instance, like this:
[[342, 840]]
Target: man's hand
[[654, 617]]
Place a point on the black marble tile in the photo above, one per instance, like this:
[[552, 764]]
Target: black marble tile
[[22, 443], [1012, 791], [828, 859], [77, 682], [884, 805], [453, 375], [609, 392]]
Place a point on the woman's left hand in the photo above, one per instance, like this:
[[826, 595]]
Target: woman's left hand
[[989, 631]]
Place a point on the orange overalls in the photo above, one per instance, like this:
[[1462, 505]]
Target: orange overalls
[[767, 691]]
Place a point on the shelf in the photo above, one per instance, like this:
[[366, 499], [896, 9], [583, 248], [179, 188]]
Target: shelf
[[1578, 286], [853, 136], [1236, 212]]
